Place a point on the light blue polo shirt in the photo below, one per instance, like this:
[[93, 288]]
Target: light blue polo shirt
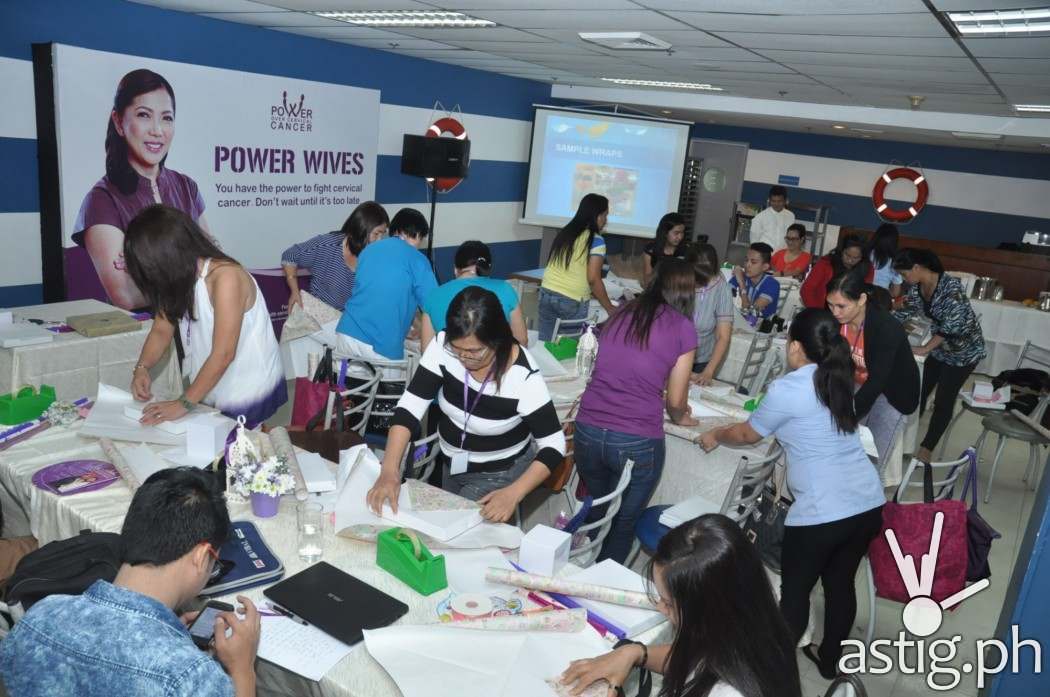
[[829, 473], [393, 279], [440, 298]]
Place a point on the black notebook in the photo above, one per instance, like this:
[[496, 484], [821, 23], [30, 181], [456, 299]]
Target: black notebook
[[335, 602]]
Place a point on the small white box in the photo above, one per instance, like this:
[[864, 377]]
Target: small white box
[[544, 550], [206, 435]]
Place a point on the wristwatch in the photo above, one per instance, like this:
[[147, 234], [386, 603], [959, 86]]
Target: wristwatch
[[186, 404]]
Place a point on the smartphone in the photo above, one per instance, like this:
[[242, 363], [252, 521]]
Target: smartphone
[[202, 631]]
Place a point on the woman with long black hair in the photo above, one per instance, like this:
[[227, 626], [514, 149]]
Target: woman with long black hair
[[499, 433], [838, 496], [715, 593], [886, 377], [232, 359], [574, 267], [140, 130], [669, 244], [882, 248], [957, 342], [644, 362], [847, 255]]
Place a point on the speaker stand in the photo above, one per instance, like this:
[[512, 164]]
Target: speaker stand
[[430, 237]]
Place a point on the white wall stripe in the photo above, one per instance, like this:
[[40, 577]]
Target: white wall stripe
[[18, 117], [492, 223], [975, 192], [20, 239], [491, 137]]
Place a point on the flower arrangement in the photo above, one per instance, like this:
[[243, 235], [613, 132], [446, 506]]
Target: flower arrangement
[[250, 473]]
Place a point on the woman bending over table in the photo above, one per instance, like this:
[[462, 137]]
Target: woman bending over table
[[494, 404], [232, 359], [646, 347], [838, 496], [882, 248], [669, 244], [886, 376], [574, 267], [957, 343], [712, 314], [716, 595]]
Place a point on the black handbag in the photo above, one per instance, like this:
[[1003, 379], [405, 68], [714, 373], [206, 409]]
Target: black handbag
[[765, 526], [979, 533]]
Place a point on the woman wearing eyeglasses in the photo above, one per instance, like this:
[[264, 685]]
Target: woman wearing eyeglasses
[[494, 405], [793, 261], [849, 254]]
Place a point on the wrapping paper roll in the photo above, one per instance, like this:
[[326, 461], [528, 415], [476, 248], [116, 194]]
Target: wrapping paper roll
[[566, 586], [551, 621], [281, 445], [119, 463]]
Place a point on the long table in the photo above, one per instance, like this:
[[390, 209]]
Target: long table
[[73, 364]]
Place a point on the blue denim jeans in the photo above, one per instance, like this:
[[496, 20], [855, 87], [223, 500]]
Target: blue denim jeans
[[555, 306], [600, 456]]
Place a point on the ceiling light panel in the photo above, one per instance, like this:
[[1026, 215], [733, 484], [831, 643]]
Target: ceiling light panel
[[1023, 22], [662, 83], [408, 18]]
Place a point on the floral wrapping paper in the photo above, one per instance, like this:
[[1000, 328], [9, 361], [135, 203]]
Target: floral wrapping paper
[[119, 463], [549, 621], [566, 586], [425, 497]]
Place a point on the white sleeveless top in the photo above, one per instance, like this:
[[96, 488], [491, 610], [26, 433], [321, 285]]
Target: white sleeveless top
[[253, 384]]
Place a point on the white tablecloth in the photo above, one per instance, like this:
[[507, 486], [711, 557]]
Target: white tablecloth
[[53, 517], [1007, 325], [73, 364]]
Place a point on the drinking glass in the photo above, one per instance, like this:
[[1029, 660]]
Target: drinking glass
[[311, 531]]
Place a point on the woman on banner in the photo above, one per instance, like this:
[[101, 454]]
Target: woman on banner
[[139, 133], [232, 359]]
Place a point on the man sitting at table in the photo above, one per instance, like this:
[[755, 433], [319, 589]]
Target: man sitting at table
[[124, 638], [759, 292]]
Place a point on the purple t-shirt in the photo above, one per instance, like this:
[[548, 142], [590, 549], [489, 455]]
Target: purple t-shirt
[[105, 204], [626, 390]]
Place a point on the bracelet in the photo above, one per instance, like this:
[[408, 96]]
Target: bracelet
[[143, 366], [645, 650], [186, 403]]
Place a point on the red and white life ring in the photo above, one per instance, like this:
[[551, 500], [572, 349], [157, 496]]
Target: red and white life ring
[[439, 128], [878, 194]]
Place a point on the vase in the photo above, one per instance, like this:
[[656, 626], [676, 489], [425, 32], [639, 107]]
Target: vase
[[265, 505]]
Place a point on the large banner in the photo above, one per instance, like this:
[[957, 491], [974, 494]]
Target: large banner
[[259, 161]]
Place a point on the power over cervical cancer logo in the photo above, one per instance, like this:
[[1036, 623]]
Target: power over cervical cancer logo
[[291, 115], [921, 617]]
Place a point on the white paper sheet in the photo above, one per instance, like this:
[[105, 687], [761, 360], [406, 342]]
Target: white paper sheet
[[315, 471], [302, 649], [444, 661], [632, 620], [106, 419], [143, 461], [465, 570], [358, 470], [14, 334]]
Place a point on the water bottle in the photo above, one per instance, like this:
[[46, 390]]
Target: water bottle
[[586, 352]]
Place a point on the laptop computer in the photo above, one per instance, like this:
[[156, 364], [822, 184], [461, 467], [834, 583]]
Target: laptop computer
[[335, 602]]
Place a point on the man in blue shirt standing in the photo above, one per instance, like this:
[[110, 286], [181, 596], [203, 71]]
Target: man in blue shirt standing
[[393, 279], [124, 638], [759, 292]]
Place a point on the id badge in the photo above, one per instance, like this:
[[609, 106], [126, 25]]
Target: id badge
[[459, 462]]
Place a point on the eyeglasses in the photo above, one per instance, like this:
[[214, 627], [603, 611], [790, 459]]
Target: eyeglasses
[[467, 354], [219, 567], [792, 239]]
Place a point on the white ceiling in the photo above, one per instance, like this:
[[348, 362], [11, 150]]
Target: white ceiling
[[834, 52]]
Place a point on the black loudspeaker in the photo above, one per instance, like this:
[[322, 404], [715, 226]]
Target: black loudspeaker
[[435, 157]]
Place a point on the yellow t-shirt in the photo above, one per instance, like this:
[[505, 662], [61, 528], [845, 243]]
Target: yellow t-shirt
[[571, 280]]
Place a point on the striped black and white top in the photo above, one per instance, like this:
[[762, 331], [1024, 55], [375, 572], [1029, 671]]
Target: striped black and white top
[[331, 280], [502, 424]]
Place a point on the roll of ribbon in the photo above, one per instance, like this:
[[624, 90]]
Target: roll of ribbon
[[470, 606]]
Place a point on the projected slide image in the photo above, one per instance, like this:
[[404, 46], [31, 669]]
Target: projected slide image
[[617, 184]]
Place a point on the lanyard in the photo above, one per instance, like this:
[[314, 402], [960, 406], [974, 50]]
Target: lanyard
[[753, 290], [845, 334], [468, 408]]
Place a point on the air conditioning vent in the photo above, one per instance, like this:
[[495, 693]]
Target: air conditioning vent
[[625, 40]]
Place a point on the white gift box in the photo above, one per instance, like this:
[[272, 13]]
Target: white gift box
[[206, 435], [544, 550]]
